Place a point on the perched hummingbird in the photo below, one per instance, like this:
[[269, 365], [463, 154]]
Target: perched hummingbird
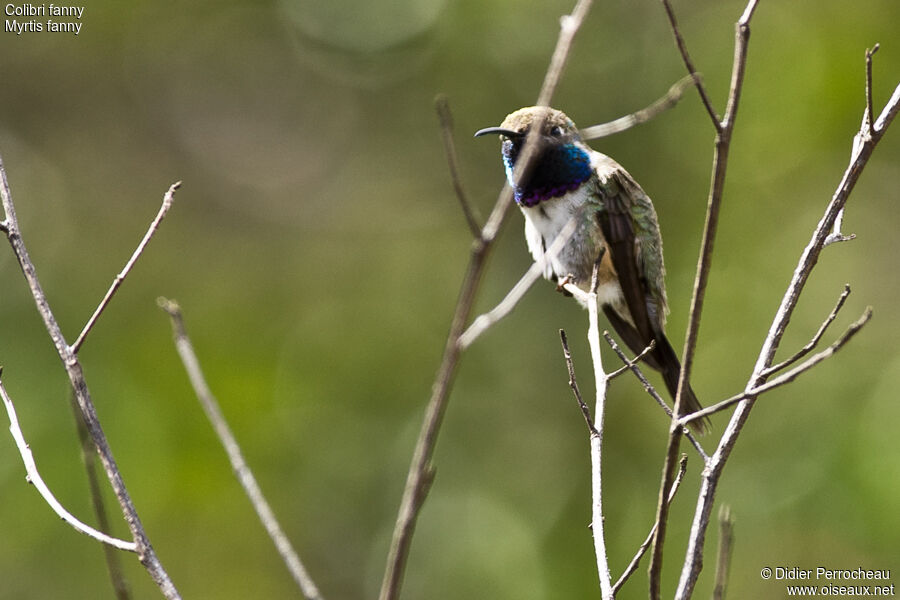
[[567, 179]]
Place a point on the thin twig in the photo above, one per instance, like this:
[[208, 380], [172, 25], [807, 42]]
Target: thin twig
[[235, 456], [860, 155], [786, 377], [88, 456], [70, 361], [870, 109], [421, 471], [445, 117], [815, 339], [484, 321], [642, 116], [726, 545], [573, 383], [689, 64], [113, 288], [633, 565], [648, 387], [630, 362], [724, 131], [602, 385], [34, 477]]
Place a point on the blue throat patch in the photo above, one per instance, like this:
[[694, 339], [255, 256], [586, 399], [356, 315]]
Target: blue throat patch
[[560, 170]]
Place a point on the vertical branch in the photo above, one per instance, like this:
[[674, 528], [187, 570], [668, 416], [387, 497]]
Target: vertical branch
[[421, 471], [113, 564], [720, 164], [73, 368], [235, 456], [596, 428], [726, 545]]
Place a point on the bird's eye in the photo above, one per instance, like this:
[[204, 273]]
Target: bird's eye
[[555, 131]]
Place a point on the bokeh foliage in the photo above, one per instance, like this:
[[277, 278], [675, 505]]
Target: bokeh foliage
[[317, 249]]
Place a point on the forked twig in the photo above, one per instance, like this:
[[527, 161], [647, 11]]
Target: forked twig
[[589, 299], [72, 365], [235, 456], [786, 377], [815, 339], [808, 259]]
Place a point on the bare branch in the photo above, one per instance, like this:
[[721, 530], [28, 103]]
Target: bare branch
[[481, 323], [648, 387], [633, 565], [859, 158], [88, 456], [870, 109], [642, 116], [113, 288], [445, 117], [815, 339], [724, 131], [34, 477], [235, 456], [573, 383], [421, 471], [726, 545], [597, 523], [689, 64], [70, 361], [630, 362], [785, 377]]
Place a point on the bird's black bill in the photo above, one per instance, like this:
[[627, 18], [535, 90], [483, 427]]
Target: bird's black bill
[[499, 131]]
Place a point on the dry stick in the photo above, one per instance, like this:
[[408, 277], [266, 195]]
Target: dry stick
[[484, 321], [113, 288], [573, 383], [689, 64], [629, 363], [724, 130], [596, 438], [726, 544], [816, 338], [88, 456], [445, 117], [33, 477], [709, 482], [642, 116], [648, 387], [645, 545], [235, 456], [421, 471], [73, 368], [786, 377]]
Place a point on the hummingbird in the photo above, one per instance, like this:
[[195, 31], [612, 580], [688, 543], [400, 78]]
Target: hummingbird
[[615, 222]]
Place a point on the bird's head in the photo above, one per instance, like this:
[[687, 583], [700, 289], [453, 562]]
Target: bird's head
[[561, 162]]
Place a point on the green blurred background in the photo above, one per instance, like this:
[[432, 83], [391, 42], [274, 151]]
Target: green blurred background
[[317, 249]]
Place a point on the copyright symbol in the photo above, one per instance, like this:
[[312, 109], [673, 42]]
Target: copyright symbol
[[766, 572]]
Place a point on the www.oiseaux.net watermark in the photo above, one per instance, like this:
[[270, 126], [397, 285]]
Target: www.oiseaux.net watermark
[[822, 581]]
